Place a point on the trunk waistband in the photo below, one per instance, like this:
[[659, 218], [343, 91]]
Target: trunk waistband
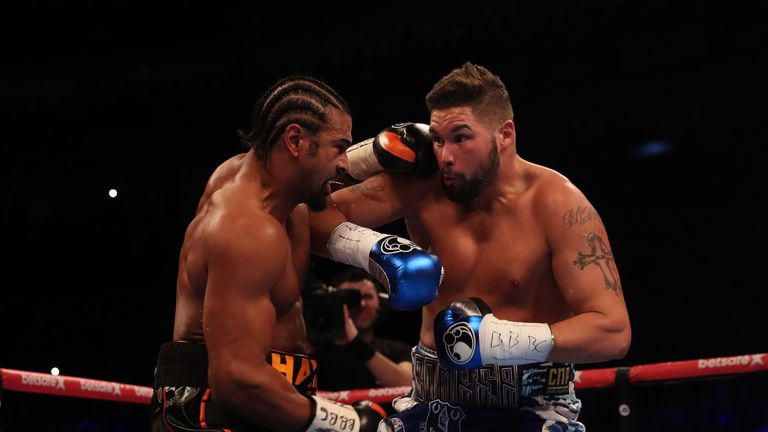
[[491, 385], [186, 364]]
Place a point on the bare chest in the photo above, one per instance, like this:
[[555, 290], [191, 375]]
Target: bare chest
[[500, 256]]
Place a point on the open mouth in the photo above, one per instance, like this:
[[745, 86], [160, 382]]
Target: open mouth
[[333, 185]]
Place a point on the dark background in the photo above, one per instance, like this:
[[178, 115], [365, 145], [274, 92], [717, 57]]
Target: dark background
[[146, 97]]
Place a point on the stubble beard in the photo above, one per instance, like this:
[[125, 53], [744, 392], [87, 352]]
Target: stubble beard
[[468, 189], [318, 202]]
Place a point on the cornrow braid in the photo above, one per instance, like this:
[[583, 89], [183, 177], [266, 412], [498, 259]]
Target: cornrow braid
[[297, 99]]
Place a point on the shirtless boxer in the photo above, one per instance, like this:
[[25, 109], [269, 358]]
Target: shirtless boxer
[[531, 286], [238, 358]]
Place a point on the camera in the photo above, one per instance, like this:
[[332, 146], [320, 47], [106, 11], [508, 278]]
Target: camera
[[324, 311]]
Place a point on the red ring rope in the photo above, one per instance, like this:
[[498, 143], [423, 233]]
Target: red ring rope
[[34, 382]]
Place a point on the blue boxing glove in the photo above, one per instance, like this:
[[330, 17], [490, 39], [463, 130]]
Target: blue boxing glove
[[400, 148], [410, 274], [468, 335]]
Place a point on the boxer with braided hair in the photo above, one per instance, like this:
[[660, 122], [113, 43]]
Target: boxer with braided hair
[[301, 100], [238, 359]]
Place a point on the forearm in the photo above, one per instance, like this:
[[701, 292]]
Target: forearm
[[584, 338], [389, 373], [266, 400], [589, 338], [275, 405], [386, 372]]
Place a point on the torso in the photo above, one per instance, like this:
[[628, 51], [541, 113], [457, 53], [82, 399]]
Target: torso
[[223, 197], [499, 254]]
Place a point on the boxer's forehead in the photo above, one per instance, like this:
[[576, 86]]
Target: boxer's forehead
[[451, 120], [338, 127]]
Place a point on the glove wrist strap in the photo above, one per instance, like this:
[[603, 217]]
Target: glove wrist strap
[[507, 343], [362, 160], [333, 416], [351, 244]]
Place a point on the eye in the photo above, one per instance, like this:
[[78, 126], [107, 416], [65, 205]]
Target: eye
[[461, 138], [437, 142]]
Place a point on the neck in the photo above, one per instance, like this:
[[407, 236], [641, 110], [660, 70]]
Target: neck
[[509, 182], [279, 194]]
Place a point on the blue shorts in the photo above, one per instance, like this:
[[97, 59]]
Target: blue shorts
[[535, 397]]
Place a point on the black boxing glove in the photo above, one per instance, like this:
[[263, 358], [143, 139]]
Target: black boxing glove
[[363, 416], [400, 148], [370, 414]]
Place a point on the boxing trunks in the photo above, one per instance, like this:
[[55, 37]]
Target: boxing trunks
[[182, 400], [527, 398]]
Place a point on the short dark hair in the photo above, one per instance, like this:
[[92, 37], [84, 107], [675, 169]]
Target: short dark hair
[[354, 275], [296, 99], [476, 87]]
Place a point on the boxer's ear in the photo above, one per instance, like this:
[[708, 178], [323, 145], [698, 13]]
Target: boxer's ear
[[506, 135], [292, 137]]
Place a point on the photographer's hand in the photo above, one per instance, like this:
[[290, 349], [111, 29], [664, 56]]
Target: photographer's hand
[[350, 330], [386, 372]]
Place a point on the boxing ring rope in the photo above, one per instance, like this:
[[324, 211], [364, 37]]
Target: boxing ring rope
[[34, 382]]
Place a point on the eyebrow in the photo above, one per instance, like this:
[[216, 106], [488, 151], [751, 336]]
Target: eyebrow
[[453, 130], [343, 141]]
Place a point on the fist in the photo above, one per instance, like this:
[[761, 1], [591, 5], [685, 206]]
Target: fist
[[410, 274], [405, 147], [400, 148], [370, 414], [457, 331]]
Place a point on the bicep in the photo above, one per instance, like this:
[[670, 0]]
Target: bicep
[[583, 263]]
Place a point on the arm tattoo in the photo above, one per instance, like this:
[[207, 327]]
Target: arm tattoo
[[602, 257], [373, 184], [579, 216]]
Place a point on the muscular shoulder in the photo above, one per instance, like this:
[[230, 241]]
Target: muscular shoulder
[[223, 174], [245, 239], [558, 200]]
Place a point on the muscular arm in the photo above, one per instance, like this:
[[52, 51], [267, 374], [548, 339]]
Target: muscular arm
[[586, 274], [247, 260], [372, 203]]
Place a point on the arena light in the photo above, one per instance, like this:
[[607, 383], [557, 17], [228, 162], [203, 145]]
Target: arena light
[[651, 148], [112, 193], [54, 370]]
